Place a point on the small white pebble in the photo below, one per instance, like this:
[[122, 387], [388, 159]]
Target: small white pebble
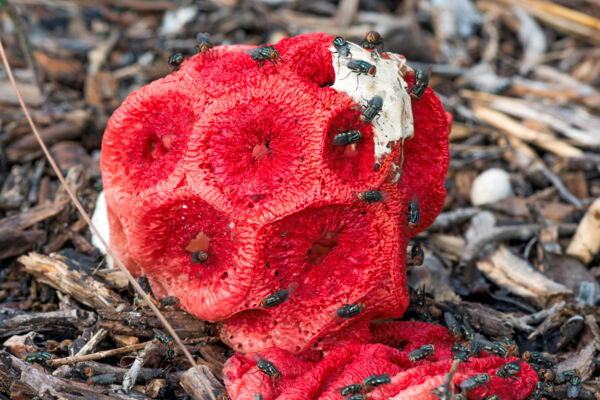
[[490, 186], [175, 20]]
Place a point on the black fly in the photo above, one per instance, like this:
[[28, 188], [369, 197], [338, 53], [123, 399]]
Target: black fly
[[360, 67], [263, 54], [372, 109], [204, 44], [423, 352], [370, 196], [350, 310], [175, 60], [345, 138], [342, 48], [421, 83], [414, 214], [372, 40]]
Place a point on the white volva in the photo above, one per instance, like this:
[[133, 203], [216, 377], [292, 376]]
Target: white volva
[[100, 221], [395, 121]]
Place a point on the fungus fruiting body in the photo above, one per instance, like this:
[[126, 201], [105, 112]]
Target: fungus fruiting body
[[227, 183], [229, 186]]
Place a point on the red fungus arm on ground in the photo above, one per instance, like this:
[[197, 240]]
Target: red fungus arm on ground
[[352, 363]]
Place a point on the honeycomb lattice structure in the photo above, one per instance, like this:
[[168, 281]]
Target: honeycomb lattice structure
[[223, 187]]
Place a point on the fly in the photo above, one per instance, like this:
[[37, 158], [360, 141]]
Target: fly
[[268, 368], [199, 257], [421, 83], [422, 353], [370, 196], [372, 109], [351, 136], [263, 54], [475, 381], [360, 67], [350, 310], [40, 357], [342, 48], [414, 214], [204, 44], [416, 255], [372, 40], [278, 297], [508, 370], [175, 60]]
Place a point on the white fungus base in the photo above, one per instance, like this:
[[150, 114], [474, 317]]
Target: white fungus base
[[395, 121], [100, 221]]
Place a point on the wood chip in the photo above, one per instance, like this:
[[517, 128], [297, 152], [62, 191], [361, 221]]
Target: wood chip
[[563, 19], [14, 242], [60, 273], [15, 187], [13, 322], [193, 381], [32, 216], [61, 131], [586, 242], [141, 323], [30, 92], [14, 370], [512, 127], [520, 278]]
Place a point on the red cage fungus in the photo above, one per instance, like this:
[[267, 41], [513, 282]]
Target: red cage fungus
[[223, 187]]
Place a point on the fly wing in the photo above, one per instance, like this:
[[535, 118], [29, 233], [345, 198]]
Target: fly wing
[[257, 357], [292, 287], [203, 36], [428, 72], [349, 389]]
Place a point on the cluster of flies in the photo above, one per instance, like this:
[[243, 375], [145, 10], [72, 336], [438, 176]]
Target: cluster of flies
[[264, 54], [260, 55], [204, 46], [468, 343], [372, 41], [355, 391]]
